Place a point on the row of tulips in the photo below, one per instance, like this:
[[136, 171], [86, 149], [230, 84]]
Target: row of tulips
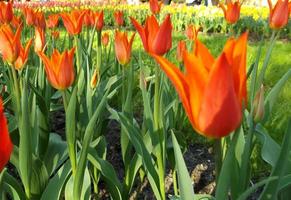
[[91, 87]]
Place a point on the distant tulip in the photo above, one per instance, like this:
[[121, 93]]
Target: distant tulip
[[95, 79], [181, 48], [29, 16], [212, 91], [123, 47], [39, 40], [118, 16], [192, 31], [6, 145], [155, 6], [23, 56], [39, 20], [156, 39], [55, 34], [10, 43], [231, 11], [98, 20], [16, 21], [105, 39], [73, 21], [52, 21], [279, 14], [59, 68], [6, 12], [87, 19]]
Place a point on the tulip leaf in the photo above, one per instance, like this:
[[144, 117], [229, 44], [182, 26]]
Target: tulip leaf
[[185, 182], [271, 189], [270, 149], [11, 185], [274, 93], [56, 153], [56, 184], [107, 172], [224, 179], [285, 182], [86, 188]]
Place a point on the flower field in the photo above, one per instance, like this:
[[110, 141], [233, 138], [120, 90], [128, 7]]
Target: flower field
[[145, 102]]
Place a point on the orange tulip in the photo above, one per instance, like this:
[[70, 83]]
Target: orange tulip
[[118, 16], [123, 47], [192, 31], [212, 91], [52, 21], [73, 21], [6, 145], [39, 40], [98, 20], [39, 20], [6, 12], [279, 14], [87, 19], [59, 68], [155, 6], [29, 16], [105, 39], [16, 21], [289, 6], [232, 11], [23, 56], [10, 43], [156, 39], [181, 48]]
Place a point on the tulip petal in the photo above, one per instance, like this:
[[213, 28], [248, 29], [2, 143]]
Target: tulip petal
[[204, 55], [163, 38], [220, 111], [141, 32], [179, 81]]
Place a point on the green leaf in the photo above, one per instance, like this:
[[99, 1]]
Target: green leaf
[[270, 149], [108, 173], [185, 182], [272, 188], [285, 182], [56, 184], [12, 186]]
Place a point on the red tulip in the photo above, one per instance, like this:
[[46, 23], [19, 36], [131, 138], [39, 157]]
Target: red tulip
[[6, 145], [55, 34], [118, 16], [52, 21], [98, 20], [212, 91], [123, 47], [10, 43], [59, 68], [39, 20], [232, 11], [23, 56], [192, 31], [29, 16], [279, 14], [156, 39], [6, 12], [155, 6], [181, 48]]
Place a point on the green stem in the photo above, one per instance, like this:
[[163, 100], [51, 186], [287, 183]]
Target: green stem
[[157, 125], [16, 89], [65, 100], [218, 157], [99, 52], [175, 182], [76, 41]]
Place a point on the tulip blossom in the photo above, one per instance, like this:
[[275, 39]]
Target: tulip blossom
[[10, 43], [279, 14], [6, 145], [73, 21], [98, 20], [259, 105], [23, 56], [39, 20], [181, 48], [155, 6], [6, 12], [192, 31], [52, 21], [16, 21], [105, 39], [123, 47], [231, 11], [118, 16], [212, 91], [29, 16], [59, 68], [55, 34], [156, 39], [95, 79], [87, 19], [39, 40]]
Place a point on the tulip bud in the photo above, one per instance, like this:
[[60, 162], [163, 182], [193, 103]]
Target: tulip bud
[[258, 103], [95, 79]]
